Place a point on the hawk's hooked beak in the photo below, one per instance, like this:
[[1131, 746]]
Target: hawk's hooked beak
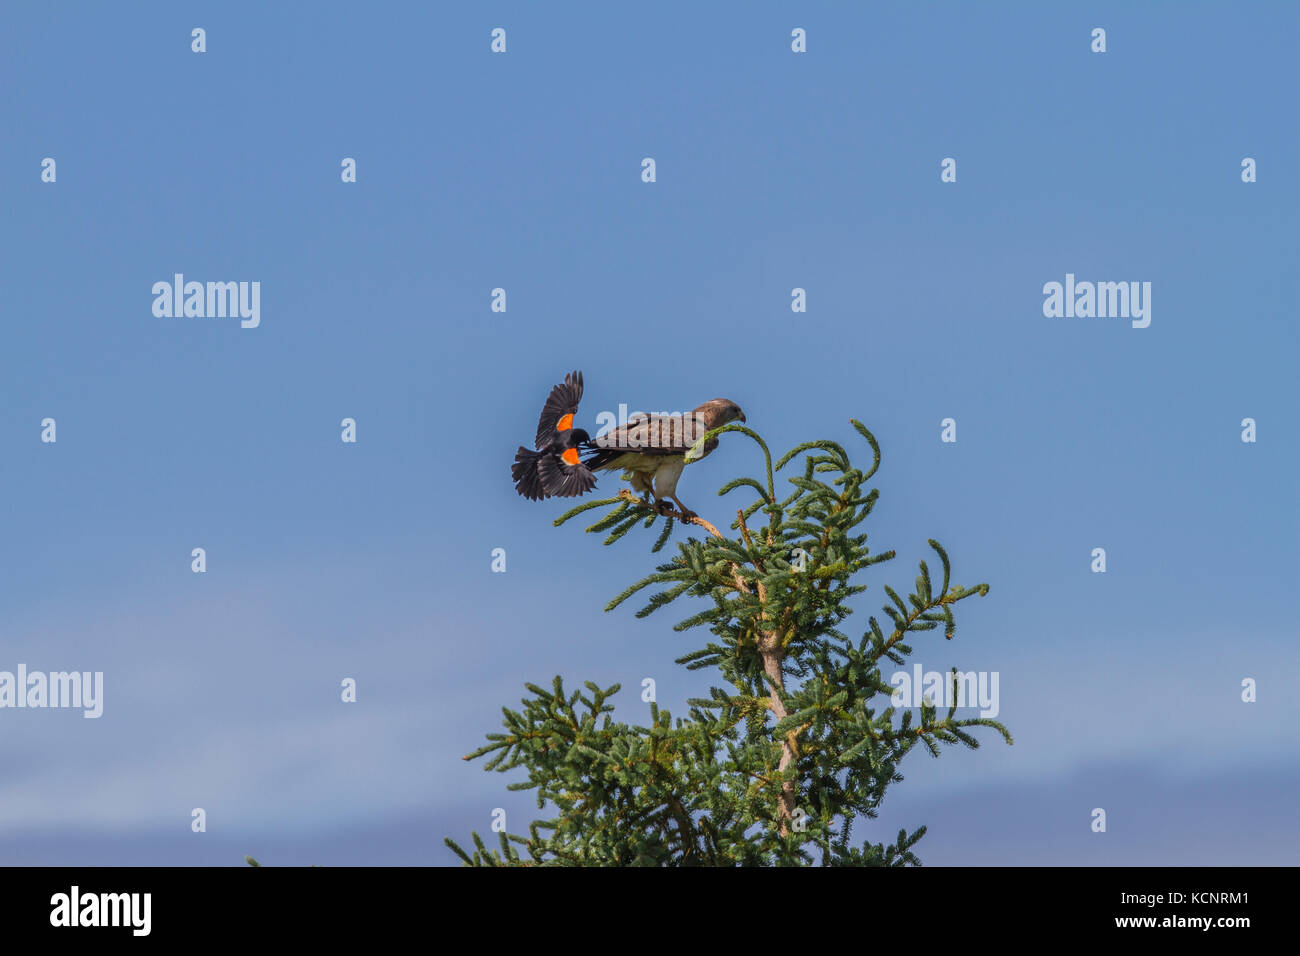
[[742, 416]]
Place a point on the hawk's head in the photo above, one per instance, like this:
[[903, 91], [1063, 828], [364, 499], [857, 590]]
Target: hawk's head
[[720, 411]]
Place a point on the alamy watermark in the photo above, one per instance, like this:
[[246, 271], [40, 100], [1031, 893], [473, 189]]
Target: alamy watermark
[[84, 689], [1102, 300], [969, 689], [75, 908], [213, 300], [662, 430]]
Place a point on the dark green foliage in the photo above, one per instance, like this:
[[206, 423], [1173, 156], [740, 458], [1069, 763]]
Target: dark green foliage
[[777, 766]]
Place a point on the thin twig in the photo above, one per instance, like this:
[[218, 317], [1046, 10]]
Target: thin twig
[[631, 498]]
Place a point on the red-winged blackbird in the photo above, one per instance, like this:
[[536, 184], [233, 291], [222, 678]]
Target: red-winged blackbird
[[555, 468], [651, 449]]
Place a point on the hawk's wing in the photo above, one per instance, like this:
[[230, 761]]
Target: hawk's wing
[[656, 434], [557, 413]]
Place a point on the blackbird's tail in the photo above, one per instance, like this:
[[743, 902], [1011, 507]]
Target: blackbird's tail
[[527, 475]]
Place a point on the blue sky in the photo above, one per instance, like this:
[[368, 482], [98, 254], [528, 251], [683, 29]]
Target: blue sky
[[522, 171]]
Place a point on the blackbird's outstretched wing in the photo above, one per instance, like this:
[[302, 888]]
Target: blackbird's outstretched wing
[[563, 480], [557, 414]]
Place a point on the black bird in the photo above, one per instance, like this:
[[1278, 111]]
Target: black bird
[[555, 469]]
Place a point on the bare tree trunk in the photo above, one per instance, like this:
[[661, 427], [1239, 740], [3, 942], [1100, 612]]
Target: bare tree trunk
[[770, 648]]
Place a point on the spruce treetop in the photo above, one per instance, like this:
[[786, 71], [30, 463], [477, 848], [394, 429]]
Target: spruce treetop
[[797, 743]]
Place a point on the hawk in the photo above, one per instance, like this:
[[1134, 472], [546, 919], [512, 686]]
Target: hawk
[[649, 449]]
